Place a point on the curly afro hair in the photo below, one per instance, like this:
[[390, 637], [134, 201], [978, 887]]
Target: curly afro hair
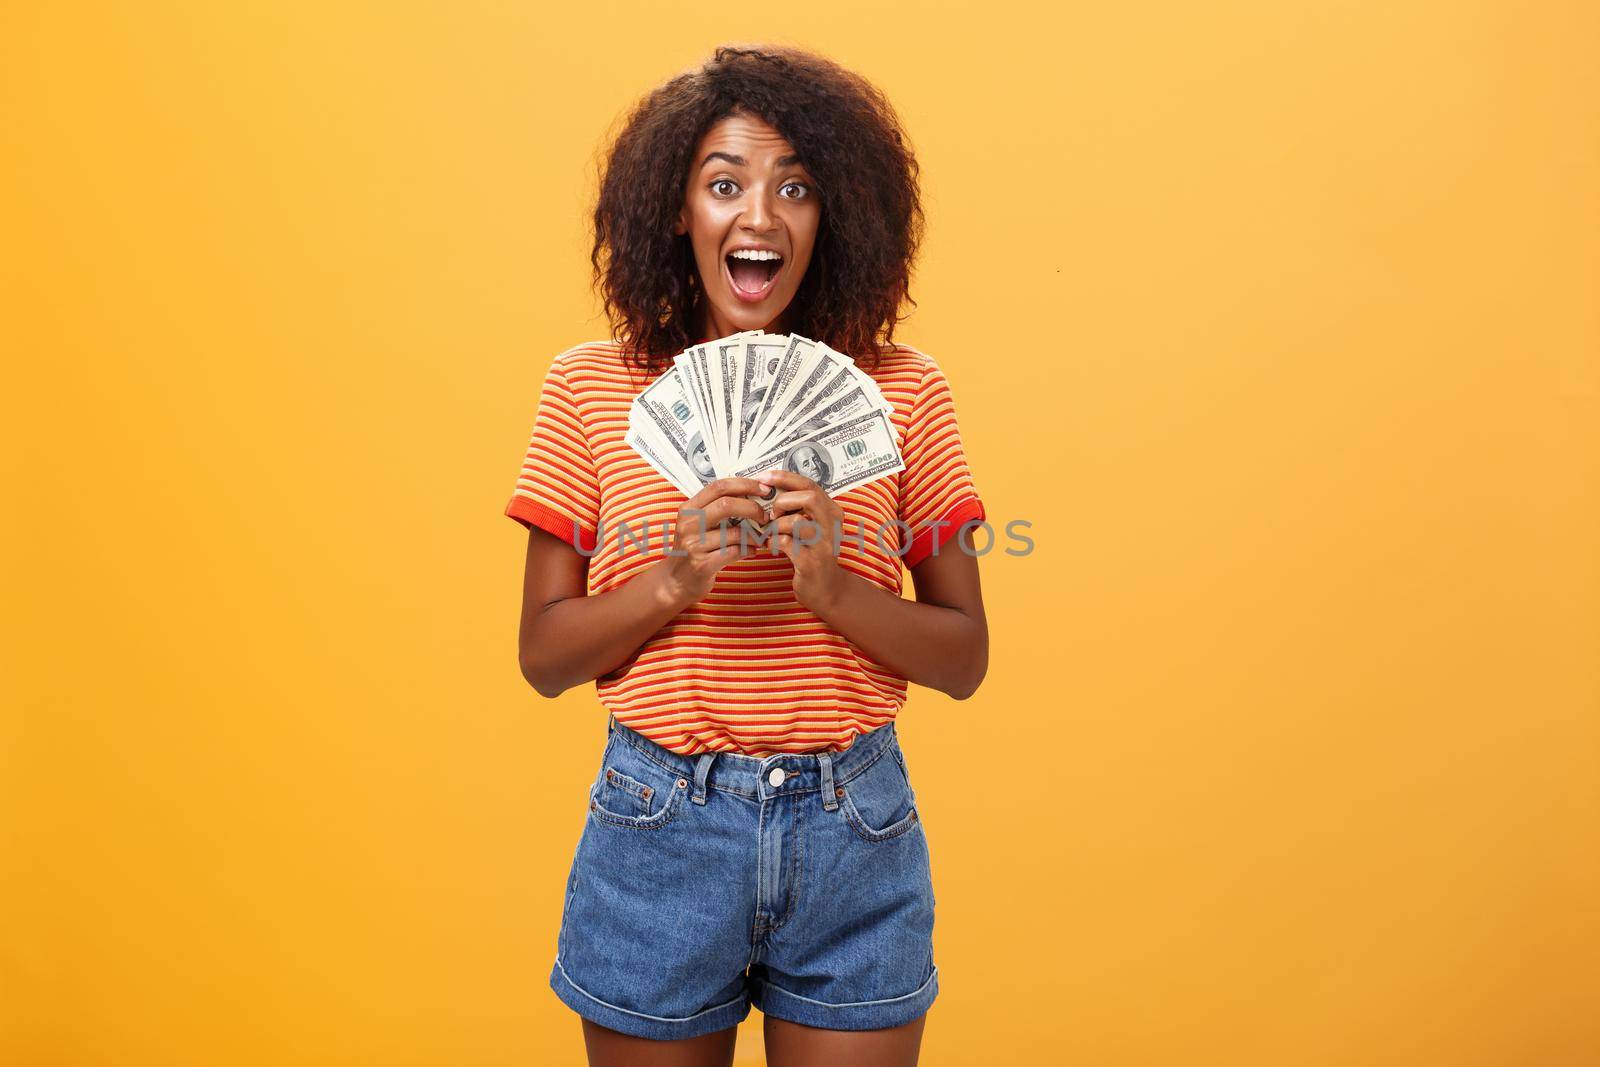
[[850, 140]]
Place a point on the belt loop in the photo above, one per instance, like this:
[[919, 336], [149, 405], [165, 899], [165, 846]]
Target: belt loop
[[829, 801], [701, 766], [611, 723]]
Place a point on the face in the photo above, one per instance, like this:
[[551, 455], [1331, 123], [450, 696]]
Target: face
[[700, 459], [807, 462], [747, 190]]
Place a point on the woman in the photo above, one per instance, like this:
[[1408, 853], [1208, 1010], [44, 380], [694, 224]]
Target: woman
[[752, 835]]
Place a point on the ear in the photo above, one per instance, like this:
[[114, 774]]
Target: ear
[[682, 225]]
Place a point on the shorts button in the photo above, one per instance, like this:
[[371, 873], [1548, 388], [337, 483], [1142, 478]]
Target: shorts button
[[682, 782], [839, 791], [776, 777]]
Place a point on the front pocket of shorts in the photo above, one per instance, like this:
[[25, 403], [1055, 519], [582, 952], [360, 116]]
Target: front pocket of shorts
[[625, 795], [633, 792], [878, 803]]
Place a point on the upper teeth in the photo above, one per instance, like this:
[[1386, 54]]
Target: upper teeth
[[753, 253]]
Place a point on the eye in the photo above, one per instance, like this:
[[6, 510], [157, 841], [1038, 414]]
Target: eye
[[805, 190], [723, 181]]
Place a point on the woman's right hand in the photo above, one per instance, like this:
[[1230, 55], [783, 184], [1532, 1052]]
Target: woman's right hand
[[706, 536]]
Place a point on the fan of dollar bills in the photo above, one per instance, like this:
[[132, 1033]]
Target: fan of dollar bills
[[754, 401]]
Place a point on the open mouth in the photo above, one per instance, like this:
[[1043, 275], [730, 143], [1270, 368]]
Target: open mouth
[[751, 279]]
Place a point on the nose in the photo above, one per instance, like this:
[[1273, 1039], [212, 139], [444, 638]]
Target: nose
[[758, 215]]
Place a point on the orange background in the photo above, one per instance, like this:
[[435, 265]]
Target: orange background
[[1277, 322]]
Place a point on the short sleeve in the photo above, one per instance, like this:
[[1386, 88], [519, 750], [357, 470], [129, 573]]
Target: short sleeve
[[937, 493], [557, 489]]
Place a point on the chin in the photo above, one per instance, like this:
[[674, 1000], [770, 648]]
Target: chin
[[746, 317]]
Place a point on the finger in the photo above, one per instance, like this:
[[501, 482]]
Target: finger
[[797, 500], [721, 487], [786, 479], [764, 500], [785, 524], [724, 508], [732, 532], [802, 529]]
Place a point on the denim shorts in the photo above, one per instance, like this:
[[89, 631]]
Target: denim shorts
[[701, 885]]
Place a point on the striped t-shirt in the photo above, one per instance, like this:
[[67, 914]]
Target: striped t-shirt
[[747, 669]]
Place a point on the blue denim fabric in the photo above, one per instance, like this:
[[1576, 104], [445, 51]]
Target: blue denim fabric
[[700, 887]]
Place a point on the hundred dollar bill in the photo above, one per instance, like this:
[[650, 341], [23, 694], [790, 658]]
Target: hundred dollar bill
[[761, 358], [816, 378], [695, 369], [666, 405], [669, 466], [681, 477], [667, 426], [830, 381], [753, 401], [823, 415], [836, 375], [838, 457], [718, 369], [729, 354], [800, 355]]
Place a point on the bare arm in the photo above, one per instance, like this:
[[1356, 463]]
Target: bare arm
[[940, 640], [568, 637]]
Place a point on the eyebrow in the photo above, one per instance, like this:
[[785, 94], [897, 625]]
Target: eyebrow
[[739, 161]]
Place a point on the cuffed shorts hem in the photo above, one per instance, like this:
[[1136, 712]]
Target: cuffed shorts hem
[[861, 1015], [656, 1027]]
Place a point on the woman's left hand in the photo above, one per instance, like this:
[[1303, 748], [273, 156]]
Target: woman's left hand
[[807, 524]]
